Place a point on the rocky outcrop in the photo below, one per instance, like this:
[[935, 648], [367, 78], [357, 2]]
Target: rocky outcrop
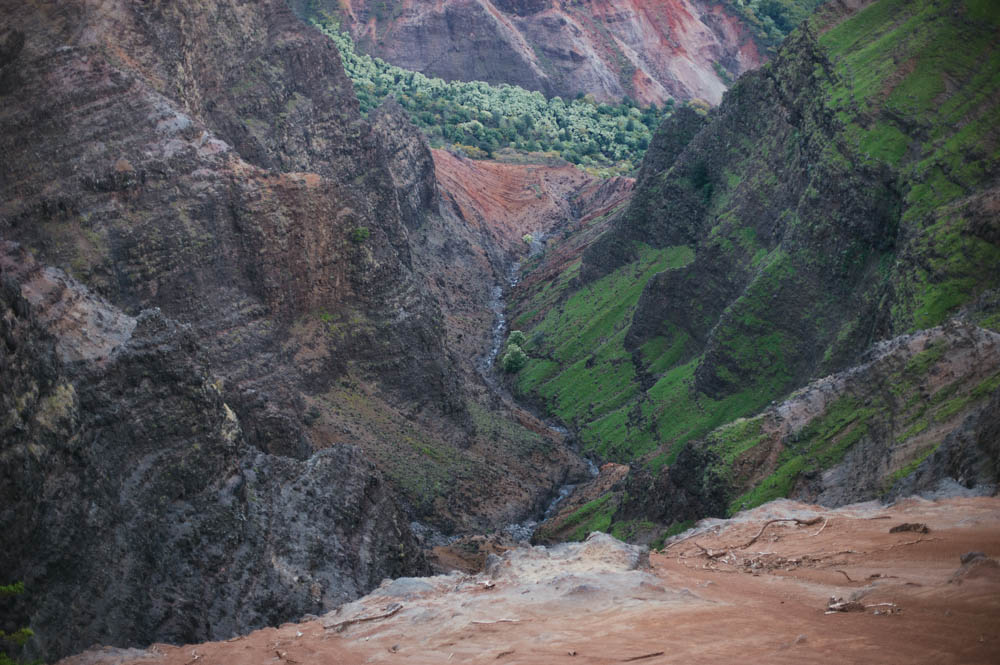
[[134, 509], [920, 411], [651, 51]]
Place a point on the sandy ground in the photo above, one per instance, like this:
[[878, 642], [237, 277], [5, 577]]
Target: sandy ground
[[712, 596]]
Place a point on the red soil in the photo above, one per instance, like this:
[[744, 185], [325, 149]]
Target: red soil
[[705, 600], [509, 200]]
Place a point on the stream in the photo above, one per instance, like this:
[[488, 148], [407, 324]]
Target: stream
[[521, 531]]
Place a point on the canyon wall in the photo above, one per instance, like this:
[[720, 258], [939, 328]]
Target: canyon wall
[[648, 50]]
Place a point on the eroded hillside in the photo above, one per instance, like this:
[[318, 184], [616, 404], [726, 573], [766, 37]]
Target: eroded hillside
[[651, 51], [203, 169], [835, 199], [249, 333]]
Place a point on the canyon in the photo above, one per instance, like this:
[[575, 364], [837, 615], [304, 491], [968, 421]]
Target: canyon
[[251, 339]]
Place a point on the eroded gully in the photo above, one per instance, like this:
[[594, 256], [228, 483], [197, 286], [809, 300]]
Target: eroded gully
[[521, 531]]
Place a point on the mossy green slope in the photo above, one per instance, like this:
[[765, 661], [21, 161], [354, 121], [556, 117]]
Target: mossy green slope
[[839, 196]]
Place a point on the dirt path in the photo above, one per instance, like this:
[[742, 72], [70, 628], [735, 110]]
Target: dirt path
[[704, 600]]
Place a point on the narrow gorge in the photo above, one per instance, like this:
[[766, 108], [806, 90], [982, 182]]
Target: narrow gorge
[[482, 330]]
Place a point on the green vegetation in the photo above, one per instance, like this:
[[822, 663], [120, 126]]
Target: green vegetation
[[918, 94], [360, 234], [514, 358], [899, 121], [592, 516], [580, 366], [478, 118], [17, 638], [772, 20]]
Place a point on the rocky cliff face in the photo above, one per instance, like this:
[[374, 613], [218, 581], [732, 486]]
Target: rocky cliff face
[[648, 50], [135, 509], [209, 160]]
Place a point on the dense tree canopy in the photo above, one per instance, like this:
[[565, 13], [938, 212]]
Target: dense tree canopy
[[482, 118]]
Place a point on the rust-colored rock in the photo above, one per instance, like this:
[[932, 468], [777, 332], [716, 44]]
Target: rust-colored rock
[[651, 50]]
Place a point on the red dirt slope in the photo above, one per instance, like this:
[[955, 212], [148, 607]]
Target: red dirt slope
[[510, 200], [712, 597]]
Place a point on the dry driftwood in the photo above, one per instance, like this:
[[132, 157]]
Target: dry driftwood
[[798, 521], [389, 611]]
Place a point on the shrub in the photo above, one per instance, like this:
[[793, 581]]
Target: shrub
[[483, 118], [360, 234], [516, 337], [514, 359], [17, 638]]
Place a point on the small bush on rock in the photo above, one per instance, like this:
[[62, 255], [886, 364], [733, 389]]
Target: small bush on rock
[[514, 359]]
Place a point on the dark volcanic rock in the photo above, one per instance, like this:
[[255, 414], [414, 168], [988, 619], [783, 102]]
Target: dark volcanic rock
[[133, 508], [209, 159]]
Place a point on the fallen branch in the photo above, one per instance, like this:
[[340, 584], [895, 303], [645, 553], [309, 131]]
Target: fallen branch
[[643, 657], [753, 540], [908, 542], [391, 610], [845, 575], [709, 553], [825, 522], [840, 605], [487, 623]]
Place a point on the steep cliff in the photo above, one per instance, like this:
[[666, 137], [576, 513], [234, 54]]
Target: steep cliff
[[209, 160], [839, 196], [134, 508], [648, 50]]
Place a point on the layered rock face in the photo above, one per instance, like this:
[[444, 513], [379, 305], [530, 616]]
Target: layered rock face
[[648, 50], [299, 387], [221, 174], [134, 509]]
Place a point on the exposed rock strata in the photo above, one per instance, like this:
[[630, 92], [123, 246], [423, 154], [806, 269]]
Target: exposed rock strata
[[646, 49], [134, 508], [209, 160]]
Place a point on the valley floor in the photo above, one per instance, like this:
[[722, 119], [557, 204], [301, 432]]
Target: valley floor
[[754, 588]]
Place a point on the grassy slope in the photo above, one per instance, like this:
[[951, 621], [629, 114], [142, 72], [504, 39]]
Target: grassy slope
[[916, 91], [920, 94]]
